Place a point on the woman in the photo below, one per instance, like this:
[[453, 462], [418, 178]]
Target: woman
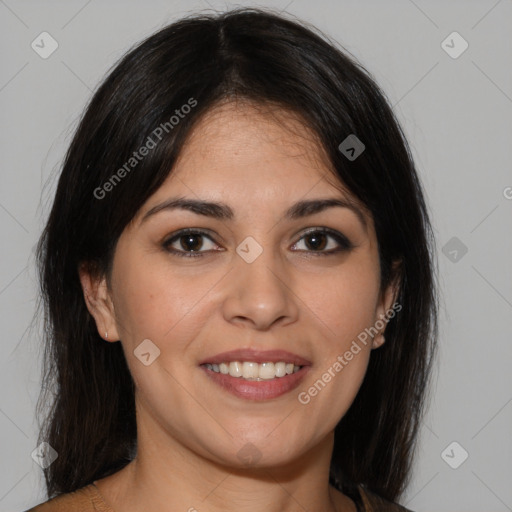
[[238, 281]]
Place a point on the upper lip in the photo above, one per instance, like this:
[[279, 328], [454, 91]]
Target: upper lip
[[257, 356]]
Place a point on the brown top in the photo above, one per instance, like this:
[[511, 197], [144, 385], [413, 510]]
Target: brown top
[[89, 499]]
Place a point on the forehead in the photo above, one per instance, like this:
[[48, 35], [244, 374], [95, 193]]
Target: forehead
[[241, 143], [253, 159], [260, 123]]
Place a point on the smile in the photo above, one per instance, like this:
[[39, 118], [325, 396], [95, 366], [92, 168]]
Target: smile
[[256, 374], [252, 371]]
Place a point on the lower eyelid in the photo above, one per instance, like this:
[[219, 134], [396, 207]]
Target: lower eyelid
[[343, 244], [175, 238]]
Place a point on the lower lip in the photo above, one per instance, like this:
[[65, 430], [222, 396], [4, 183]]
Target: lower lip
[[257, 389]]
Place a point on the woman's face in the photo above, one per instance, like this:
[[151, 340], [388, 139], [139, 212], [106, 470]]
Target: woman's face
[[263, 285]]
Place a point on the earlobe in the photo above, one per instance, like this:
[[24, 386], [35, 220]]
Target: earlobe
[[99, 303], [378, 341]]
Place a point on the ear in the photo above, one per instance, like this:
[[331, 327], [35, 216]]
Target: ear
[[99, 302], [387, 298]]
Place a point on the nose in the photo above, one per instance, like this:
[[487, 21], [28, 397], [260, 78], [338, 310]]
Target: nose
[[260, 294]]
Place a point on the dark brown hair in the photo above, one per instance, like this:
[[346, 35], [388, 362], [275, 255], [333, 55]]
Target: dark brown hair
[[87, 397]]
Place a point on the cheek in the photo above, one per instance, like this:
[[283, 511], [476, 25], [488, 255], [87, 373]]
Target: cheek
[[343, 304], [343, 308], [167, 306], [148, 301], [337, 378]]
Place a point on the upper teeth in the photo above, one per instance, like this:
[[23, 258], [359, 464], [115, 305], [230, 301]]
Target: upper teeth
[[254, 371]]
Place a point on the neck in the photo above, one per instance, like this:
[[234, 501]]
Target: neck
[[168, 476]]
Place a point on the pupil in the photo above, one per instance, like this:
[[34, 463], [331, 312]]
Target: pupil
[[314, 242], [188, 242], [317, 241]]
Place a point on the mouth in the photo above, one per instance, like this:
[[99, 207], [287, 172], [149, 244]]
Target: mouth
[[256, 375], [252, 371]]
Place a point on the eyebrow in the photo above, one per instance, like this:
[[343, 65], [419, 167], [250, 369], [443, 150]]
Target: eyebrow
[[222, 211]]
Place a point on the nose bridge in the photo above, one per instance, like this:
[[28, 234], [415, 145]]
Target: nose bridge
[[259, 293], [258, 265]]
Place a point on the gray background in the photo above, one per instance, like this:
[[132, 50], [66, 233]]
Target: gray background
[[456, 114]]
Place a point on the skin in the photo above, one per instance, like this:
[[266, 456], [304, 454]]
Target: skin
[[290, 298]]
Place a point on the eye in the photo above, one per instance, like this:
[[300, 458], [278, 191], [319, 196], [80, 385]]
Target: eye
[[189, 243], [317, 241]]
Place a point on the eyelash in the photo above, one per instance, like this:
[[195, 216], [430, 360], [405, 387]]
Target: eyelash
[[344, 243]]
